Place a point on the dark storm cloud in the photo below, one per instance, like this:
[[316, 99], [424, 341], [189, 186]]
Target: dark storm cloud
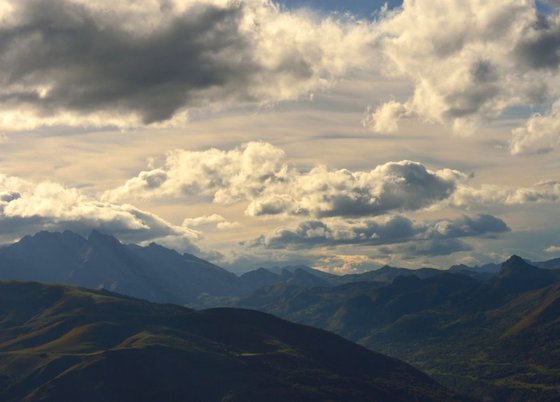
[[125, 64], [391, 230], [89, 63], [467, 226], [428, 248], [317, 233]]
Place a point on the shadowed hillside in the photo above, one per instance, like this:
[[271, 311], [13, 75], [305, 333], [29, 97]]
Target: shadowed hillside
[[60, 343]]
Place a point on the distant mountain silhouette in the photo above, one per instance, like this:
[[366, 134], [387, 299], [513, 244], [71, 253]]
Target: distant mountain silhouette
[[387, 274], [294, 275], [60, 343], [486, 268], [154, 273], [261, 277], [550, 264], [517, 276], [160, 274], [483, 272]]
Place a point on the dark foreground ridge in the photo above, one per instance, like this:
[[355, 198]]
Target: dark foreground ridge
[[62, 343]]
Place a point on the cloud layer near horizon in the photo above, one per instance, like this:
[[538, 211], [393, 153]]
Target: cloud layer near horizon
[[27, 207], [329, 208], [319, 207], [392, 229]]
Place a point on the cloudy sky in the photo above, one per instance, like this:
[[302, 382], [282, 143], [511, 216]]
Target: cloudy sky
[[340, 134]]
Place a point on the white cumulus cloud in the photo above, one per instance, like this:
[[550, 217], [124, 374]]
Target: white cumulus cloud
[[260, 174], [469, 61], [540, 134], [27, 207]]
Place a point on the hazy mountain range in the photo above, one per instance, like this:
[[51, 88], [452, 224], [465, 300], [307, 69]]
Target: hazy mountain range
[[492, 332], [160, 274], [153, 272]]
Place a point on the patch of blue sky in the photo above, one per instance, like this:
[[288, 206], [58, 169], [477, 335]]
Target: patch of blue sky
[[366, 8], [546, 6], [526, 111], [360, 8]]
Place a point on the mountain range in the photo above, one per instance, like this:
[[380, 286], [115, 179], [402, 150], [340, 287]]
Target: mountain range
[[496, 339], [61, 343], [492, 332], [153, 272], [160, 274], [101, 262]]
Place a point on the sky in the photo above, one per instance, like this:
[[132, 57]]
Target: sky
[[344, 135]]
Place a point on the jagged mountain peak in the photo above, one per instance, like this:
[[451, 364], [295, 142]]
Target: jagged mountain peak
[[516, 265], [46, 236], [155, 273], [97, 237], [515, 259], [517, 275]]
